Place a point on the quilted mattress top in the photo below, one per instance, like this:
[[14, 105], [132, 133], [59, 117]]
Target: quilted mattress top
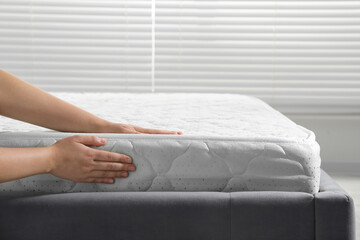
[[196, 115]]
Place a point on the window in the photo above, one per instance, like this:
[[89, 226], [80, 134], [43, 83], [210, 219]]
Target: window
[[300, 56], [78, 45]]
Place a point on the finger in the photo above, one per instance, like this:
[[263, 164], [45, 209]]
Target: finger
[[134, 132], [112, 166], [131, 131], [100, 180], [90, 140], [153, 131], [101, 155], [109, 174]]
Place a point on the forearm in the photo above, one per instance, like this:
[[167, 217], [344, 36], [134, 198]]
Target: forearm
[[16, 163], [23, 101]]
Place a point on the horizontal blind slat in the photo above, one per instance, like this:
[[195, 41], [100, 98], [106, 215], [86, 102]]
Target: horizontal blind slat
[[88, 20]]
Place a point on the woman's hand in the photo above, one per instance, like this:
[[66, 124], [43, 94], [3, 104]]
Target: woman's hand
[[22, 101], [72, 159], [132, 129]]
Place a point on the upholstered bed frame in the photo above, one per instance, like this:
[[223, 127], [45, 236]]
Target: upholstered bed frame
[[248, 172], [326, 215]]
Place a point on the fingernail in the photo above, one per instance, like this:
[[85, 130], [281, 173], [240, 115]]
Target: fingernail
[[102, 140], [131, 168], [124, 174]]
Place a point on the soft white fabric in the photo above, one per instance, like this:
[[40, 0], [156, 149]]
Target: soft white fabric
[[230, 143]]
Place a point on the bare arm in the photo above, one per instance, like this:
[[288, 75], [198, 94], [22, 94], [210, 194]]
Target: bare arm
[[23, 101], [17, 163], [70, 158]]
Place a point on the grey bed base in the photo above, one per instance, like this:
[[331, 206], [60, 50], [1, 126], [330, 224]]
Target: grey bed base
[[327, 215]]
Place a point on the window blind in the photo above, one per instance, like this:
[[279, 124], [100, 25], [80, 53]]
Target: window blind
[[73, 45], [300, 56]]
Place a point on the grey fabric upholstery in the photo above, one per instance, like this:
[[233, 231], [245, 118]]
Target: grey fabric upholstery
[[328, 214], [335, 211], [139, 215], [272, 215]]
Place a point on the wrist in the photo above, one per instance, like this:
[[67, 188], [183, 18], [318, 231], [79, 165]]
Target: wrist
[[51, 158], [109, 127], [101, 126]]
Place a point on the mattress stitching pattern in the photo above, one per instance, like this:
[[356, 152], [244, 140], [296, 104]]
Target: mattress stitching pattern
[[253, 173], [263, 150]]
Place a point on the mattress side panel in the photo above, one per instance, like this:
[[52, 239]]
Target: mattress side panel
[[191, 165]]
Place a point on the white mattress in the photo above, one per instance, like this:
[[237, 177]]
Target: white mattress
[[230, 143]]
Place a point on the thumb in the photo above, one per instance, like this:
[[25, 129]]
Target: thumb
[[90, 140]]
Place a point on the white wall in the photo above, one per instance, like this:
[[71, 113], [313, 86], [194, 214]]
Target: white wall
[[339, 139]]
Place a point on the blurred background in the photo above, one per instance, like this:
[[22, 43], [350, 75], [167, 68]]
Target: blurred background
[[302, 57]]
